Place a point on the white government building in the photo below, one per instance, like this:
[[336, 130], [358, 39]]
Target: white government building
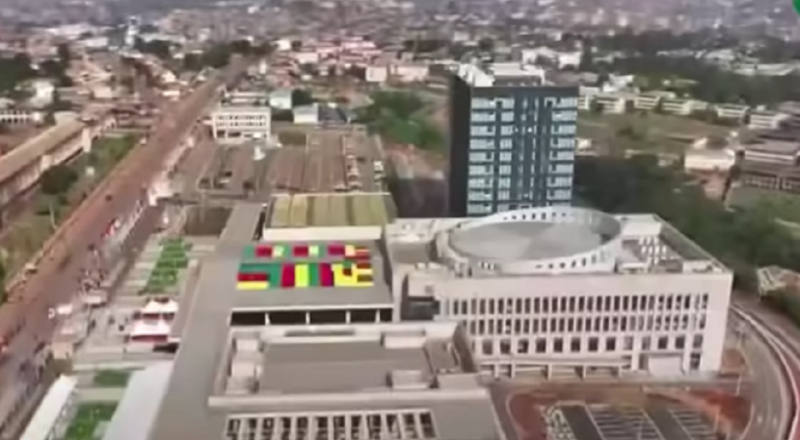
[[549, 290], [540, 291]]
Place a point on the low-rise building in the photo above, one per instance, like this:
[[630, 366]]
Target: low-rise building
[[612, 103], [20, 117], [232, 122], [709, 160], [649, 101], [410, 72], [307, 114], [281, 99], [733, 112], [376, 74], [765, 119], [682, 106], [772, 164]]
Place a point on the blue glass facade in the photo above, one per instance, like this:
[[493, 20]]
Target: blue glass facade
[[511, 147]]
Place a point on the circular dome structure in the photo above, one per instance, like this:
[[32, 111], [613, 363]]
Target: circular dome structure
[[536, 240]]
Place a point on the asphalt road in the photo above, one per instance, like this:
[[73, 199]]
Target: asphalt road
[[769, 398], [25, 318], [787, 337]]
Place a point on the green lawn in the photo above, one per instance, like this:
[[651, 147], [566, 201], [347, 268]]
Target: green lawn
[[88, 417], [653, 132], [111, 378], [781, 206], [171, 260]]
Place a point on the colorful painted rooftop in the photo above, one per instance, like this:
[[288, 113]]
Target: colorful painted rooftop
[[297, 266]]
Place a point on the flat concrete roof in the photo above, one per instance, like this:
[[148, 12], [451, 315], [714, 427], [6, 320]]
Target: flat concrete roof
[[186, 411], [525, 240], [139, 405], [15, 160], [331, 210], [353, 373]]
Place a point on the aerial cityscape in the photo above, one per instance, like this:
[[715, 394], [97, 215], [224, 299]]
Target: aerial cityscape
[[383, 220]]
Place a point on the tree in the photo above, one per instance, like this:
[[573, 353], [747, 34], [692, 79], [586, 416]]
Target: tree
[[242, 47], [14, 71], [743, 239], [282, 116], [596, 107], [302, 97], [158, 48], [486, 44], [57, 180], [64, 55]]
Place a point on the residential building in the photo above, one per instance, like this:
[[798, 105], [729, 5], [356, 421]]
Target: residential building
[[281, 99], [376, 74], [771, 164], [561, 59], [760, 119], [240, 122], [43, 91], [612, 103], [306, 57], [512, 139], [307, 114], [649, 101], [20, 117], [735, 112], [709, 160], [682, 106], [409, 72]]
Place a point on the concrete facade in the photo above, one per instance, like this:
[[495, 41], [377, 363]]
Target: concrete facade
[[648, 300], [241, 122]]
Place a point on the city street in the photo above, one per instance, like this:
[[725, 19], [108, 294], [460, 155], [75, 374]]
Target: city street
[[24, 320]]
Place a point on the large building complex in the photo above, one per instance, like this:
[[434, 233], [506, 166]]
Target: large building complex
[[391, 332], [560, 289], [512, 139]]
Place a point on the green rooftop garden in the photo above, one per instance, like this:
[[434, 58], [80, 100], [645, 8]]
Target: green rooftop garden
[[111, 378], [173, 258], [87, 418]]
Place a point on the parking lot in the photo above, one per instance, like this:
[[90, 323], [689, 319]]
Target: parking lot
[[332, 160], [654, 422], [600, 413]]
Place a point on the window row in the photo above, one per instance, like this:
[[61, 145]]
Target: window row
[[585, 344], [526, 101], [559, 194], [406, 425], [529, 129], [489, 156], [489, 103], [488, 170], [490, 116], [597, 324], [561, 144], [579, 304]]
